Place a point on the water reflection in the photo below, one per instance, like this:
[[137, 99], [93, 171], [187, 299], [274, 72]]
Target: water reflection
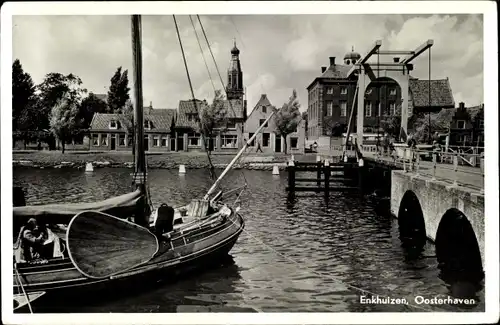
[[298, 252]]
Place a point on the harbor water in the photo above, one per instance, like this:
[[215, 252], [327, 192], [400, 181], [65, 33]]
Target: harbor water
[[301, 254]]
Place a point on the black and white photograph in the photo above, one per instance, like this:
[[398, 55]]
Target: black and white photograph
[[250, 162]]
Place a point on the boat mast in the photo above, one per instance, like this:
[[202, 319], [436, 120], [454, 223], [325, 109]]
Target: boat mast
[[235, 159], [140, 157]]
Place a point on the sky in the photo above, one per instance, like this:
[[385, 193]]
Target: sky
[[279, 53]]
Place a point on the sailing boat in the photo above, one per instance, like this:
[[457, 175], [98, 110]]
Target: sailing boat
[[100, 248]]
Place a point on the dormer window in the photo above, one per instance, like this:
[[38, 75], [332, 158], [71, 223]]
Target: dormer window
[[114, 125], [147, 125]]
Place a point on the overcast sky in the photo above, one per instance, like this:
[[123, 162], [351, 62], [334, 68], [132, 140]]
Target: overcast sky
[[278, 53]]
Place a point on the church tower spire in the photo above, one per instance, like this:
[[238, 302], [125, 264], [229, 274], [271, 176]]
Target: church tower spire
[[234, 75]]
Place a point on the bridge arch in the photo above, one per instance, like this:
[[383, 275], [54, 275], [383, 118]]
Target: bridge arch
[[411, 221], [457, 248]]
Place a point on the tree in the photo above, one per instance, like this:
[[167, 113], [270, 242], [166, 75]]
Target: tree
[[391, 125], [440, 122], [213, 117], [88, 107], [64, 119], [23, 94], [118, 91], [305, 118], [287, 118], [53, 89], [128, 114]]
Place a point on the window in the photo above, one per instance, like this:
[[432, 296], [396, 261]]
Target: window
[[104, 140], [229, 141], [343, 108], [380, 109], [368, 109], [481, 123], [147, 124], [392, 92], [95, 139], [343, 91], [265, 139], [113, 125], [250, 135], [294, 142], [329, 90], [264, 109], [392, 108], [231, 125], [369, 91], [193, 139], [156, 141], [461, 124], [130, 139], [121, 140], [329, 108], [261, 121]]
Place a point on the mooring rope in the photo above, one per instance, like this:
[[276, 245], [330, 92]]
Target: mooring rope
[[303, 267]]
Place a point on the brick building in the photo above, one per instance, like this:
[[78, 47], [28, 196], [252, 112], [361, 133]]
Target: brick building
[[269, 141], [331, 97], [467, 126]]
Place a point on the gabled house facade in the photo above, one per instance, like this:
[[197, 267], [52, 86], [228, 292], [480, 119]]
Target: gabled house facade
[[114, 132], [269, 141], [467, 126]]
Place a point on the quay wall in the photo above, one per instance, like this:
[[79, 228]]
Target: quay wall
[[36, 159]]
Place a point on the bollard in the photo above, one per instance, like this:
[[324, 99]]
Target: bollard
[[182, 169], [276, 170], [455, 170], [327, 177], [89, 167], [434, 165]]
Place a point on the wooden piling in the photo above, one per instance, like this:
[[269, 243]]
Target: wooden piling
[[327, 177], [291, 176]]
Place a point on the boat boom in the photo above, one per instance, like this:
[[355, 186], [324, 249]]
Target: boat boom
[[235, 159]]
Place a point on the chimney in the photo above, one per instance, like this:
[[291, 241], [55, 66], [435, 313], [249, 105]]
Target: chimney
[[332, 60], [323, 69], [396, 60], [263, 96], [150, 104], [461, 105]]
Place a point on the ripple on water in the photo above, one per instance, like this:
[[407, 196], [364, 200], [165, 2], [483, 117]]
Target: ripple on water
[[301, 254]]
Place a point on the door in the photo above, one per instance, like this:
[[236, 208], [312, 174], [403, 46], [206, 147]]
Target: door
[[277, 144], [180, 143], [146, 143], [172, 144], [113, 142]]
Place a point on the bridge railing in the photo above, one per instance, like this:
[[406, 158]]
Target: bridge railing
[[435, 164]]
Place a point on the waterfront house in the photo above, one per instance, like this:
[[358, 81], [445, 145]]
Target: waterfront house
[[113, 132], [228, 138], [467, 126], [269, 141]]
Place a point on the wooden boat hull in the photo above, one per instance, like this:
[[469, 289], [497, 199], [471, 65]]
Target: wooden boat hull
[[190, 250]]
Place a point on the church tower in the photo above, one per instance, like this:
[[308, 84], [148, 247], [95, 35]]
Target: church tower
[[235, 76]]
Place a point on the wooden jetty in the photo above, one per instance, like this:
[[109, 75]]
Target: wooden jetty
[[330, 176]]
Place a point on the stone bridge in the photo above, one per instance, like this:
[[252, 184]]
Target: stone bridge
[[451, 216]]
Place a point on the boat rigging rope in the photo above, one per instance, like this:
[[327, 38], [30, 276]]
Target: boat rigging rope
[[303, 267], [22, 287], [220, 78], [202, 55], [211, 169]]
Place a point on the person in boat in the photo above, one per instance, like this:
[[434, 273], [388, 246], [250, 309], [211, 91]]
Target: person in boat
[[164, 222], [32, 238]]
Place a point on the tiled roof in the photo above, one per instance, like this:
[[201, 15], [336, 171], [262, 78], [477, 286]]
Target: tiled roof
[[161, 120], [234, 108], [337, 71], [187, 107], [441, 94], [473, 111]]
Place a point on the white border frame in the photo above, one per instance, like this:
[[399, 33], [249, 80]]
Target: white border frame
[[487, 8]]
